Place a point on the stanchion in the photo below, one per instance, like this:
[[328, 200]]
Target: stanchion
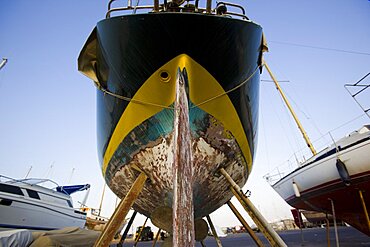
[[156, 237]]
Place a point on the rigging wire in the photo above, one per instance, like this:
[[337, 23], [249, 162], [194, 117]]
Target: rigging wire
[[340, 126], [231, 90], [306, 115], [321, 48], [281, 123], [348, 122], [291, 126], [265, 141]]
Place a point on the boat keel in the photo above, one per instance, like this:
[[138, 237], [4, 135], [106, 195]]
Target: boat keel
[[183, 211]]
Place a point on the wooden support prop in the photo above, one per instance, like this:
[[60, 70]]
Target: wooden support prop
[[129, 224], [120, 213], [256, 216], [365, 209], [141, 232], [183, 210], [245, 224], [156, 237], [218, 241]]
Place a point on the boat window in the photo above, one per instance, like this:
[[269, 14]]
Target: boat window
[[54, 199], [11, 189], [33, 194], [69, 203]]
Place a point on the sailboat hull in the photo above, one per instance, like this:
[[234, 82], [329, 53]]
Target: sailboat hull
[[135, 59], [320, 182]]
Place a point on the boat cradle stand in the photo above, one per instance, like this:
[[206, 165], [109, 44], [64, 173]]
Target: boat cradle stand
[[273, 238], [121, 212]]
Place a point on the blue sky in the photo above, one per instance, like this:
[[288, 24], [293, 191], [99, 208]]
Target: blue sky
[[47, 107]]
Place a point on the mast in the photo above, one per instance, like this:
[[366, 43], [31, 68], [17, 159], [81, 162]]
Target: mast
[[300, 127], [101, 199]]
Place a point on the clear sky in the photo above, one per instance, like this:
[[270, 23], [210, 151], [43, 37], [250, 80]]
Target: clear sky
[[47, 108]]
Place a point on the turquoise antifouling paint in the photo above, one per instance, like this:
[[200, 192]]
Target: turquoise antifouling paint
[[157, 126]]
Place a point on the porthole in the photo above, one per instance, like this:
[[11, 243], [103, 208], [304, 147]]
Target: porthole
[[165, 76]]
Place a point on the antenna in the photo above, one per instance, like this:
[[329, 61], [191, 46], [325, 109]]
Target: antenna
[[28, 173], [50, 170], [2, 64], [70, 177]]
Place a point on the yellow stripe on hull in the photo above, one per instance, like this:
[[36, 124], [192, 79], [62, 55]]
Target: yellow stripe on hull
[[158, 92]]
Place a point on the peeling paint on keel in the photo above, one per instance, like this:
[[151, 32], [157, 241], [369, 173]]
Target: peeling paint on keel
[[183, 211], [209, 191]]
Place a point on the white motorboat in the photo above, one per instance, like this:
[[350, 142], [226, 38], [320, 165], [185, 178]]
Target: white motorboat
[[30, 204]]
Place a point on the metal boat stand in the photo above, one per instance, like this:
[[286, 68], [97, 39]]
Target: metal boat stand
[[327, 230], [129, 224], [156, 237], [141, 232], [335, 222], [273, 238], [121, 211], [218, 241]]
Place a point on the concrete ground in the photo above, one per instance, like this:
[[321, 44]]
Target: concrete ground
[[312, 237]]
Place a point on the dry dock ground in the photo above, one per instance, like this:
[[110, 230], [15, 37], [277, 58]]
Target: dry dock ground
[[348, 237]]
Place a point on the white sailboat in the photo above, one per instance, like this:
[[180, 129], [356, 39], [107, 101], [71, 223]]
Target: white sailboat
[[335, 180]]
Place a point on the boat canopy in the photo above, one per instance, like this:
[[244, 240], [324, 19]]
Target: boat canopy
[[29, 181], [70, 189]]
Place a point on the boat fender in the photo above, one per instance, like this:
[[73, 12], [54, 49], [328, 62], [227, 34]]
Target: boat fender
[[296, 190], [6, 202], [343, 172]]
